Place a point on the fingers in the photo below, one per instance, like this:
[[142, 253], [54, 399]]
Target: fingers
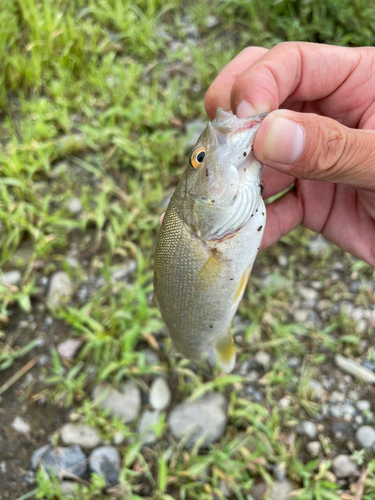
[[300, 71], [218, 95], [274, 182], [312, 147]]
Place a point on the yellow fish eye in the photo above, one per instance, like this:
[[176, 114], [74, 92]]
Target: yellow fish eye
[[197, 157]]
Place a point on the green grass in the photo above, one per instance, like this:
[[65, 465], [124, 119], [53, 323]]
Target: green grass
[[93, 99]]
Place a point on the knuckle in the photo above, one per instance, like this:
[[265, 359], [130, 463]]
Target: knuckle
[[329, 150]]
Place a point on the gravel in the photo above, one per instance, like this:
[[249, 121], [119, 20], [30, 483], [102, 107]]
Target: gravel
[[124, 404], [160, 395], [365, 436], [10, 278], [281, 490], [204, 419], [37, 456], [60, 290], [363, 405], [69, 348], [81, 435], [105, 461], [145, 426], [307, 428], [355, 369], [314, 448], [65, 462], [343, 466], [20, 426]]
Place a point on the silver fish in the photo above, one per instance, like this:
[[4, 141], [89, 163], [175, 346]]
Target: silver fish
[[209, 239]]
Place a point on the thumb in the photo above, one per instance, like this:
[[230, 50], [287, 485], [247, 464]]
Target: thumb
[[314, 147]]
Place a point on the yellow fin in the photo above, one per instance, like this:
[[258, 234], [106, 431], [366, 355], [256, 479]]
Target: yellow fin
[[225, 351], [242, 285], [212, 266]]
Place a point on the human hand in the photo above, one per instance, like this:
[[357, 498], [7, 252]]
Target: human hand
[[322, 139]]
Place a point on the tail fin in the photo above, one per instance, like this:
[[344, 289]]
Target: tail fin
[[225, 351]]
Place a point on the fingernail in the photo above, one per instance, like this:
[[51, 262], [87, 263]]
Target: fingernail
[[284, 141], [244, 110]]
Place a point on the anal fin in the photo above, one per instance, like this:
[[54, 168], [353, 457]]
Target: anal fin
[[225, 351]]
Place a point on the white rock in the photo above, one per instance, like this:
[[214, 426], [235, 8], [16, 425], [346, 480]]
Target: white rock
[[118, 438], [308, 294], [343, 466], [146, 426], [314, 448], [337, 397], [81, 434], [160, 395], [355, 369], [20, 426], [60, 290], [74, 206], [263, 358], [69, 348], [125, 403], [10, 278], [301, 315], [281, 489], [365, 436], [307, 428], [282, 260], [363, 405]]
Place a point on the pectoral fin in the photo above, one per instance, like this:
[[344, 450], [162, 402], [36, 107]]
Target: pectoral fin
[[225, 351]]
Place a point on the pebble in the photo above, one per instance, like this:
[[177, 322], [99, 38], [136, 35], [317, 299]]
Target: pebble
[[337, 397], [118, 438], [279, 471], [307, 428], [318, 244], [343, 466], [122, 273], [308, 294], [316, 388], [160, 395], [125, 403], [68, 487], [69, 348], [263, 358], [105, 461], [363, 405], [20, 426], [81, 435], [37, 456], [65, 462], [314, 448], [145, 426], [204, 418], [74, 206], [355, 369], [365, 436], [10, 278], [353, 395], [301, 315], [282, 260], [280, 490], [60, 290]]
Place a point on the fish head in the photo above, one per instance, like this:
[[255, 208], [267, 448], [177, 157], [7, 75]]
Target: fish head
[[221, 185]]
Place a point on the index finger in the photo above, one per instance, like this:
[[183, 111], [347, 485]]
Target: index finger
[[298, 71]]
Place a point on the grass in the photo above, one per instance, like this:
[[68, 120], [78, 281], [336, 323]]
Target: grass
[[93, 99]]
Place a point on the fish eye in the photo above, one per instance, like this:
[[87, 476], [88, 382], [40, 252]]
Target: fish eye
[[197, 157]]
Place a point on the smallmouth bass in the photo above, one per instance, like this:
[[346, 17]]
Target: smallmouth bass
[[209, 239]]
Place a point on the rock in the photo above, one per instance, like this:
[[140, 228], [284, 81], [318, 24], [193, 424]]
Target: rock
[[37, 456], [68, 487], [308, 294], [145, 426], [125, 403], [353, 395], [74, 206], [279, 471], [81, 435], [211, 21], [65, 462], [365, 436], [105, 461], [60, 290], [301, 315], [262, 358], [337, 397], [355, 369], [316, 388], [314, 448], [363, 405], [160, 395], [280, 490], [122, 273], [282, 260], [10, 278], [118, 438], [318, 244], [20, 426], [69, 348], [307, 428], [343, 466], [204, 419], [339, 428]]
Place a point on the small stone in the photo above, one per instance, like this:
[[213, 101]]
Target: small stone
[[125, 403], [282, 260], [280, 490], [123, 272], [105, 461], [160, 395], [285, 402], [358, 420], [118, 438], [355, 369], [145, 426], [10, 278], [365, 436], [81, 435], [307, 428], [60, 290], [301, 315], [211, 21], [279, 471], [69, 348], [353, 395], [338, 428], [343, 466], [263, 358], [314, 448], [336, 397], [318, 244], [316, 388], [363, 405], [65, 462], [37, 456], [308, 294], [348, 409], [20, 426], [74, 206], [204, 419], [68, 487]]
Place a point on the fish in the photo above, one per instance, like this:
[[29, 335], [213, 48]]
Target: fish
[[209, 238]]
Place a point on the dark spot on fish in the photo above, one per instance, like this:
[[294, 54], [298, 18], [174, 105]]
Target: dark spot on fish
[[258, 248], [211, 326], [261, 189], [206, 173], [256, 210], [244, 169], [259, 228], [231, 279], [244, 153], [263, 213], [252, 147], [212, 201], [252, 215]]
